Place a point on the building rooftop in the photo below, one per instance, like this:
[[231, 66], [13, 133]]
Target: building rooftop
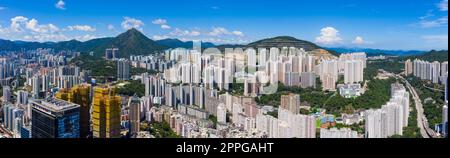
[[53, 105]]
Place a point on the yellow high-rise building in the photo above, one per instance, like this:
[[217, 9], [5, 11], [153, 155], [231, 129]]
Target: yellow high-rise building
[[81, 95], [106, 113], [63, 94]]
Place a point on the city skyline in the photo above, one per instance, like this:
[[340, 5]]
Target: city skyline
[[291, 69], [401, 25]]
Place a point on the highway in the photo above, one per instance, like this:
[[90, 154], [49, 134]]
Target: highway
[[433, 89], [422, 121]]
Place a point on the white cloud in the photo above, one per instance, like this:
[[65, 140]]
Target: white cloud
[[16, 23], [443, 21], [23, 28], [225, 41], [179, 32], [426, 21], [328, 36], [162, 23], [2, 8], [238, 33], [195, 33], [159, 21], [160, 37], [129, 23], [34, 26], [165, 27], [219, 31], [60, 5], [86, 28], [358, 40], [46, 37], [428, 15], [443, 5], [217, 35], [85, 37], [111, 27]]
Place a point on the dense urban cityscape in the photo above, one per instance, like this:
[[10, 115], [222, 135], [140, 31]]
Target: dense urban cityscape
[[195, 93], [132, 86]]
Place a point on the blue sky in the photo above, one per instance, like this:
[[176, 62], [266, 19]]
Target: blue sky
[[384, 24]]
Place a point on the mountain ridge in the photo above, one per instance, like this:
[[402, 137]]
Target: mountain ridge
[[133, 42], [284, 41], [176, 43], [376, 52]]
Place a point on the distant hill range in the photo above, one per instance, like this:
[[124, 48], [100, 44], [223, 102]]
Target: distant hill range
[[280, 42], [376, 52], [6, 45], [284, 41], [433, 55], [176, 43], [133, 42]]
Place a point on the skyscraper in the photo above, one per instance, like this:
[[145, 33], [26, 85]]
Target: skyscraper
[[435, 71], [444, 68], [445, 120], [291, 103], [81, 95], [308, 79], [408, 67], [262, 57], [134, 104], [111, 53], [106, 113], [6, 94], [123, 69], [36, 86], [11, 114], [391, 118], [22, 97], [251, 60], [221, 113], [55, 118], [353, 71]]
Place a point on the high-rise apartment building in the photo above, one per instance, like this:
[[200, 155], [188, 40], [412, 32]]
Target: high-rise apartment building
[[22, 97], [291, 103], [134, 104], [353, 71], [106, 113], [445, 120], [391, 118], [221, 113], [6, 94], [308, 79], [12, 117], [123, 69], [408, 67], [111, 53], [81, 95]]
